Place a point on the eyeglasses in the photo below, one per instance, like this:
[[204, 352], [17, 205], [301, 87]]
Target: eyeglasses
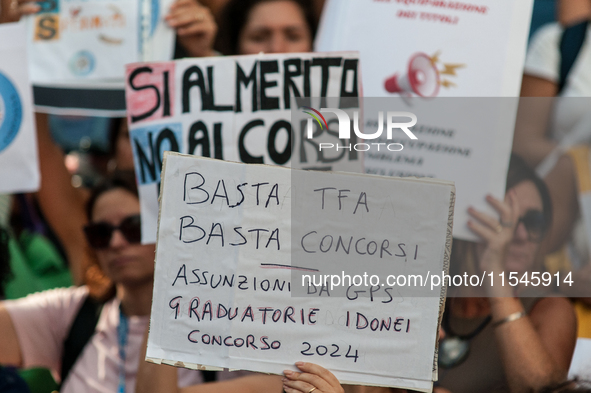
[[99, 234], [535, 224]]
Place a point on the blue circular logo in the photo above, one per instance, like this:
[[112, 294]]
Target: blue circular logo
[[82, 63], [11, 112]]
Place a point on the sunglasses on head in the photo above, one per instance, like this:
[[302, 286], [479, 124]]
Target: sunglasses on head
[[535, 224], [99, 234]]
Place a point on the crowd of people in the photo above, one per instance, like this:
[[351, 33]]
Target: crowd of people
[[91, 332]]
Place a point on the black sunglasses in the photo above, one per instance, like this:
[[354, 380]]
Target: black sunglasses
[[99, 234], [535, 224]]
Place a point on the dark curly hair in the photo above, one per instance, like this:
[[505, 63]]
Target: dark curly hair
[[119, 179]]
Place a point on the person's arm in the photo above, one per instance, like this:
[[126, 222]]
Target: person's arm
[[10, 351], [536, 350], [540, 79], [33, 328], [530, 140], [195, 27], [571, 12], [61, 203], [157, 378], [534, 86]]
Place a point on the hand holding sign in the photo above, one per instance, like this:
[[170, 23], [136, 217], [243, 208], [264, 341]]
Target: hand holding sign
[[195, 27], [313, 378]]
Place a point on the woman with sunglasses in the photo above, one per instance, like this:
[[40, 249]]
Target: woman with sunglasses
[[501, 341], [33, 330]]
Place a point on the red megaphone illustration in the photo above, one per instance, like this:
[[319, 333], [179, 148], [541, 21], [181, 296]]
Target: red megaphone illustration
[[422, 78]]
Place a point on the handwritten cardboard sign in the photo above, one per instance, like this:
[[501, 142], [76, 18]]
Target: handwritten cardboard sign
[[233, 108], [420, 53], [18, 142], [234, 239]]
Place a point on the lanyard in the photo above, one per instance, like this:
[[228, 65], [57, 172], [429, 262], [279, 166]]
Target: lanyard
[[122, 331]]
